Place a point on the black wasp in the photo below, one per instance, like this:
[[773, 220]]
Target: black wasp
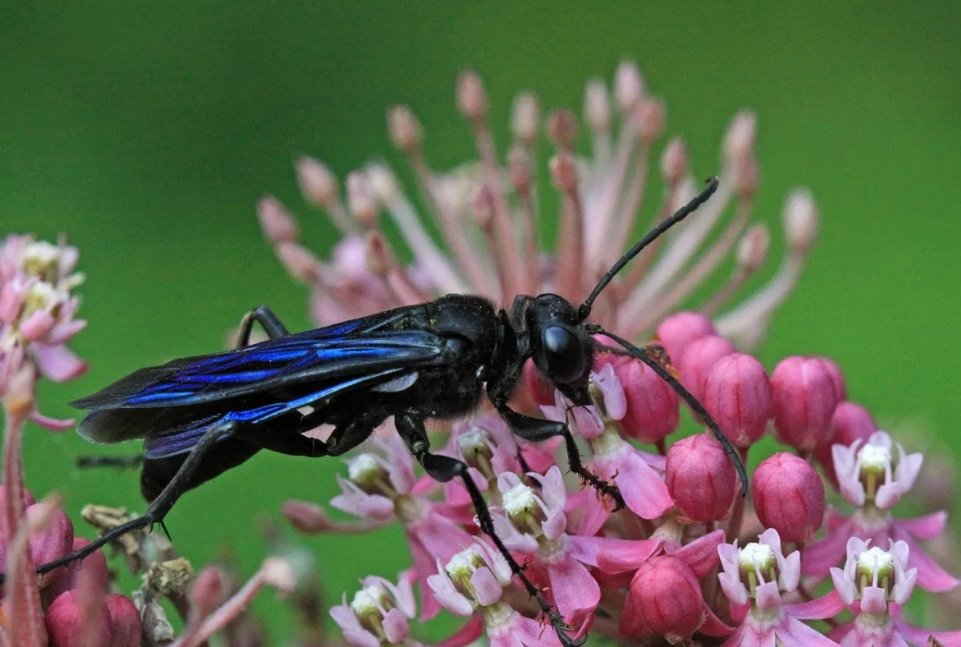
[[202, 415]]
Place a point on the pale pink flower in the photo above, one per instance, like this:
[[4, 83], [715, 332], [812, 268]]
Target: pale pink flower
[[754, 578], [873, 476]]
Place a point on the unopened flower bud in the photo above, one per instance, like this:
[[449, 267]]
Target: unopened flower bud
[[564, 172], [93, 567], [306, 517], [805, 393], [597, 107], [740, 139], [404, 129], [745, 178], [562, 128], [360, 199], [700, 478], [681, 329], [125, 626], [652, 405], [674, 162], [275, 221], [788, 496], [753, 248], [471, 96], [699, 358], [484, 207], [299, 262], [800, 221], [71, 624], [737, 394], [650, 116], [628, 86], [664, 599], [519, 170], [317, 183], [525, 119], [52, 542], [207, 592]]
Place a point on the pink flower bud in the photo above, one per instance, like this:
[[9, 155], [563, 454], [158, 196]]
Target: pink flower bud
[[650, 119], [525, 117], [700, 478], [788, 496], [317, 183], [276, 223], [850, 422], [698, 360], [403, 128], [628, 86], [652, 405], [562, 128], [664, 599], [53, 542], [70, 624], [207, 592], [471, 97], [306, 517], [681, 329], [93, 566], [674, 162], [738, 395], [806, 391], [597, 107], [124, 621]]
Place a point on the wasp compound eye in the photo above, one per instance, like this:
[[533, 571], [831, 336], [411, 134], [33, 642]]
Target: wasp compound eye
[[565, 355]]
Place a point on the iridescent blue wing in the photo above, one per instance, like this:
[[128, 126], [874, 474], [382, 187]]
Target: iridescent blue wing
[[355, 348], [257, 383]]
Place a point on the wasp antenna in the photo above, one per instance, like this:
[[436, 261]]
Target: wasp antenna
[[584, 310], [686, 395]]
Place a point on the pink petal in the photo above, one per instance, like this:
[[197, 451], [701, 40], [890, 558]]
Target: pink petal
[[575, 591], [794, 633], [57, 362], [817, 558], [467, 634], [643, 489], [700, 555], [613, 555], [825, 606], [395, 626], [931, 577], [36, 325], [487, 589], [927, 527]]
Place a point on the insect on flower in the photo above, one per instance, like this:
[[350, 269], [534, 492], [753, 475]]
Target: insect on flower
[[202, 415]]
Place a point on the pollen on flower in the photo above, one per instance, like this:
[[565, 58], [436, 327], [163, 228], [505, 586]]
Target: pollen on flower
[[757, 557], [876, 566], [523, 507], [367, 472]]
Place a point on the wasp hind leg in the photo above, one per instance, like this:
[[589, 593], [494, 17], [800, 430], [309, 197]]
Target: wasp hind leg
[[162, 504], [410, 426]]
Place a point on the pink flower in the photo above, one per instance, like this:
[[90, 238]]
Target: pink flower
[[754, 579], [874, 584], [379, 614], [873, 477], [474, 580], [699, 359], [788, 497], [382, 489], [36, 315]]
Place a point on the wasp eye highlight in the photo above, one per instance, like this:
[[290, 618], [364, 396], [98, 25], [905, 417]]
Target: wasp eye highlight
[[565, 357]]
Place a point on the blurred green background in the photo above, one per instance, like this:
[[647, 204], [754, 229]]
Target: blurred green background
[[146, 134]]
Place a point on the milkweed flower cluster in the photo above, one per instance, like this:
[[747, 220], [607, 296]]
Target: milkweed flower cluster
[[687, 560], [77, 605]]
